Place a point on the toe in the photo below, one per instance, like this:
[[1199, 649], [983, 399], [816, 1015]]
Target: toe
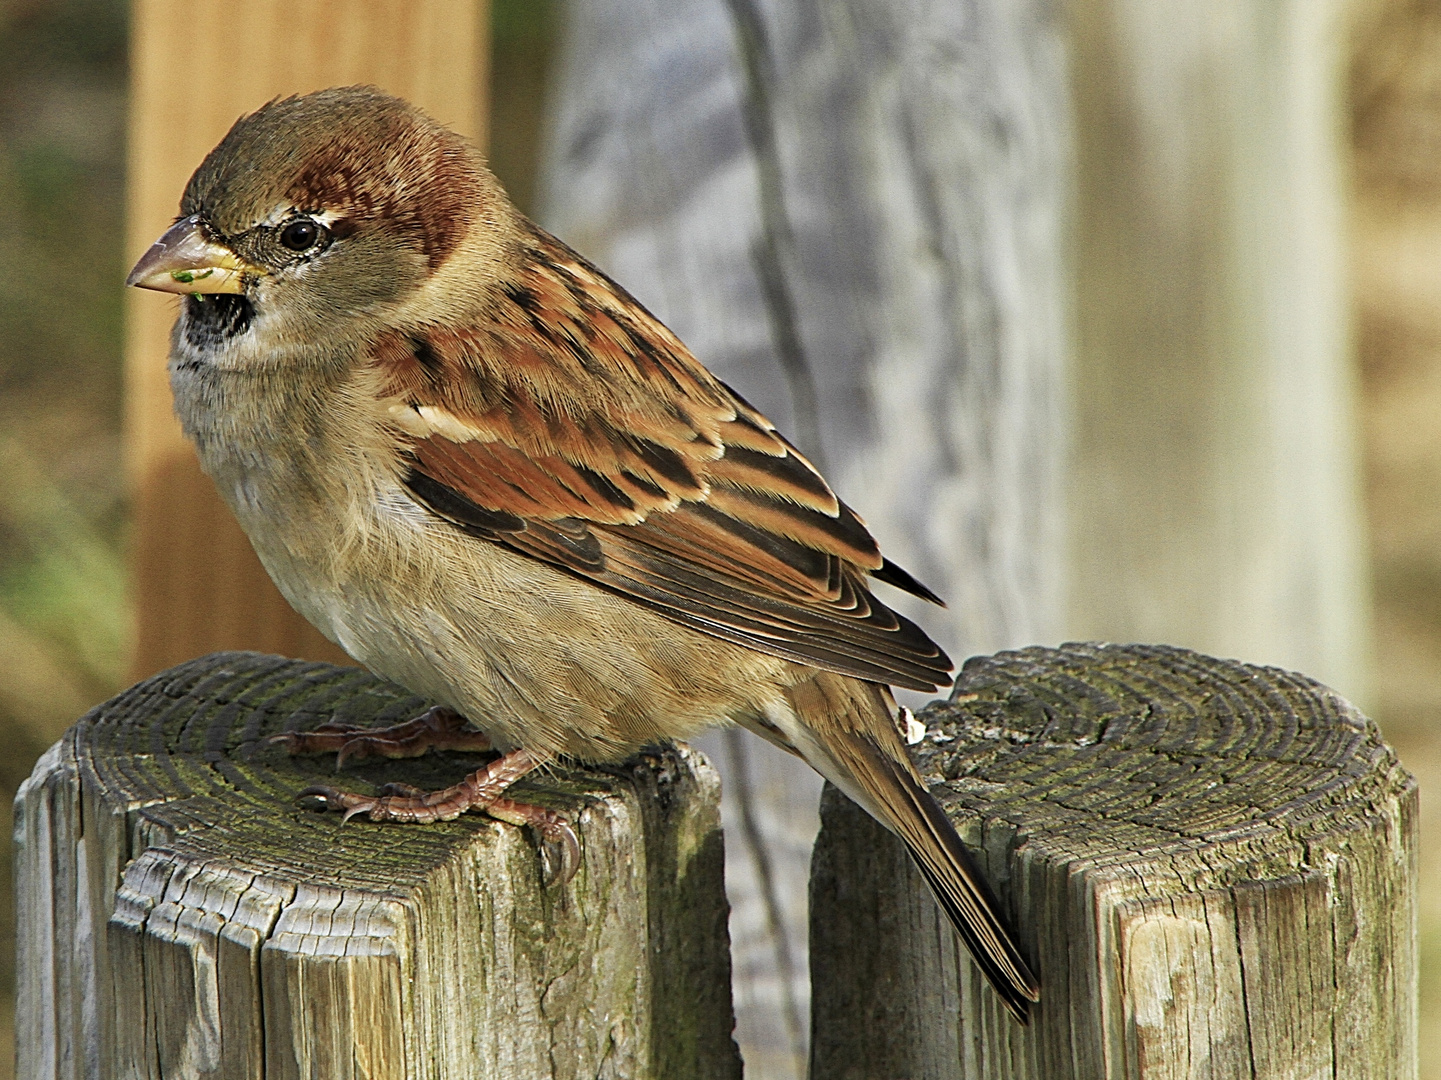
[[361, 746], [405, 791], [320, 797]]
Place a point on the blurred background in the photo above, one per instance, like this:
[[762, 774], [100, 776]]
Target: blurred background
[[1189, 252]]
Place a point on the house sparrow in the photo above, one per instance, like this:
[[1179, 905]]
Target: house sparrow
[[486, 472]]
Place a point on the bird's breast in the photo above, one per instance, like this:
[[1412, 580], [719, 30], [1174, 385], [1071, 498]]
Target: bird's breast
[[535, 656], [532, 654]]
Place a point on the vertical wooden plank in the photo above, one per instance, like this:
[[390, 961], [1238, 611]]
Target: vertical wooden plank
[[1215, 497], [194, 69], [921, 167], [852, 212]]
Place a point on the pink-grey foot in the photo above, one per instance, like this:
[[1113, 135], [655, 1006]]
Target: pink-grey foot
[[437, 728], [481, 790]]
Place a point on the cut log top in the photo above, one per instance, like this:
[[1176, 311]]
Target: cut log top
[[182, 917], [186, 752], [1135, 756], [1211, 865]]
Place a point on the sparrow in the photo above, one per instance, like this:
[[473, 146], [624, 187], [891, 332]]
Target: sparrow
[[484, 470]]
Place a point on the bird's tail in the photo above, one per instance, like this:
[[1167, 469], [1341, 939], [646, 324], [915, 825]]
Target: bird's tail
[[847, 732]]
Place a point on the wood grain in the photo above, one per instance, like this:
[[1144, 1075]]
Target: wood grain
[[922, 154], [1212, 864], [180, 917], [1215, 484], [194, 69]]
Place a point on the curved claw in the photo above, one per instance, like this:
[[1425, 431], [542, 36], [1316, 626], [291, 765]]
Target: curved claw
[[352, 803], [345, 741], [360, 746], [559, 852], [323, 740], [330, 799], [438, 728], [399, 802], [559, 846], [325, 795]]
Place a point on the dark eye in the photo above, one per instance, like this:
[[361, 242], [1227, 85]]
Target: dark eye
[[302, 234]]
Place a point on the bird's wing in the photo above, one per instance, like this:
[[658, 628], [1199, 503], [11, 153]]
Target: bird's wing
[[575, 428]]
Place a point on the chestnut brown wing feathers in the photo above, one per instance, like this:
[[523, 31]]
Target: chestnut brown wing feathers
[[574, 428]]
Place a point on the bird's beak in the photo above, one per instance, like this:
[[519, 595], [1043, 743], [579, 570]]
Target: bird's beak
[[185, 260]]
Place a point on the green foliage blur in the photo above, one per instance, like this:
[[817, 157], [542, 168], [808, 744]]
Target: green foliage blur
[[63, 623], [523, 34], [63, 618]]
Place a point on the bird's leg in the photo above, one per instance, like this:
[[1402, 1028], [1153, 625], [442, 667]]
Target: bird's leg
[[481, 790], [404, 803], [438, 728]]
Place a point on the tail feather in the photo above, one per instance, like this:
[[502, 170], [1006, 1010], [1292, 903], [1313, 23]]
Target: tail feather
[[846, 732], [968, 901]]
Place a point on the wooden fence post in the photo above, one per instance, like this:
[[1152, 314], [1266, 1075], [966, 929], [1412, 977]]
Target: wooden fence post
[[179, 917], [194, 69], [855, 214], [1213, 866]]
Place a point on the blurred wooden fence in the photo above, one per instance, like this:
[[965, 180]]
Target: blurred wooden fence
[[194, 69], [1215, 487]]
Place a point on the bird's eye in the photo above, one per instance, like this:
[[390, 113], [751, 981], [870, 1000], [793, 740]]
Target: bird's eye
[[302, 234]]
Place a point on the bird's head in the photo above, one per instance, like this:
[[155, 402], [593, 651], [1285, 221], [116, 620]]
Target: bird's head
[[317, 209]]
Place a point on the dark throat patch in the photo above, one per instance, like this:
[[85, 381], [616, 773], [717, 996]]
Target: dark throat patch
[[211, 321]]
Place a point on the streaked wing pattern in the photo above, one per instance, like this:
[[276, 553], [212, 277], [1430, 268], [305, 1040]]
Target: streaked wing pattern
[[670, 491]]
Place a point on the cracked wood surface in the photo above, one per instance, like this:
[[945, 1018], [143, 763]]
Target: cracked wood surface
[[1212, 865], [180, 918]]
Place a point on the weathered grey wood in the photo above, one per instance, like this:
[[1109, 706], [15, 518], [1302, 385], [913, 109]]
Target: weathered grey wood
[[853, 212], [1216, 497], [181, 918], [1212, 864], [923, 170]]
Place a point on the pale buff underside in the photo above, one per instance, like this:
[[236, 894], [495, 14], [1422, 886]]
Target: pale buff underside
[[530, 654]]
